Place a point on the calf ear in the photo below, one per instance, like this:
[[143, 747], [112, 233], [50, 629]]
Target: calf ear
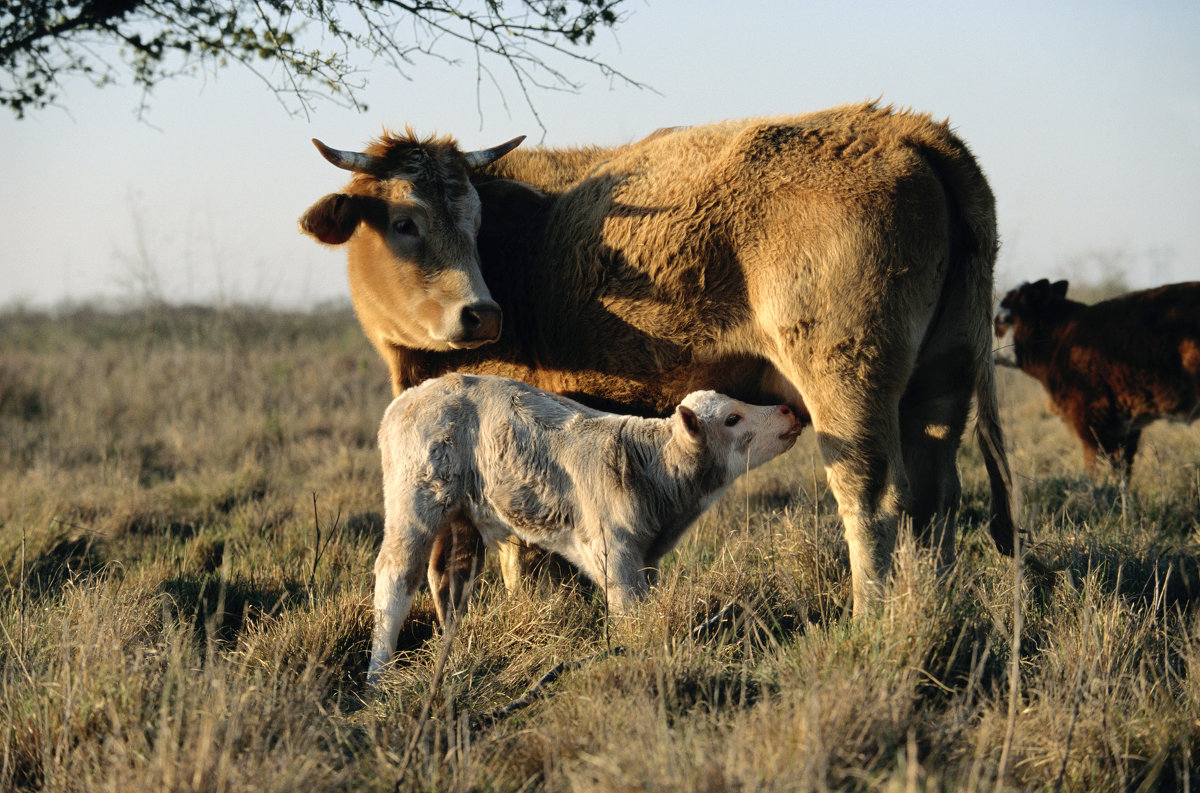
[[1059, 289], [687, 421], [332, 219]]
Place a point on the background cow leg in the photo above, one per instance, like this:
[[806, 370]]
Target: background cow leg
[[1122, 462], [1090, 450], [454, 563], [933, 415], [1122, 459]]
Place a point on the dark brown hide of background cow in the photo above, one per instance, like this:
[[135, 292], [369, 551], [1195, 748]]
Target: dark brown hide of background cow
[[1110, 368]]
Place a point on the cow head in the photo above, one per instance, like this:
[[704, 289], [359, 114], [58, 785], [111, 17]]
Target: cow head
[[1027, 302], [409, 218]]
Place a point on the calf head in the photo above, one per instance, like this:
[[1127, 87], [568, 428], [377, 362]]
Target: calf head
[[1030, 303], [736, 436], [409, 218]]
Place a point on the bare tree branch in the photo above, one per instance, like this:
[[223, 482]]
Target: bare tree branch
[[316, 49]]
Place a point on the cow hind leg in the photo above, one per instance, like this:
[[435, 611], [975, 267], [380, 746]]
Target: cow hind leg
[[933, 415]]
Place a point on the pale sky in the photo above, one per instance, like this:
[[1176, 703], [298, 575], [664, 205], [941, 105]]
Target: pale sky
[[1084, 115]]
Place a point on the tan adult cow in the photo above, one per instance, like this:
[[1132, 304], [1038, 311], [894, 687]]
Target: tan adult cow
[[839, 261]]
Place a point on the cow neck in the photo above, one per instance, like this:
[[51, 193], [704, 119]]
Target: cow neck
[[501, 359], [549, 170]]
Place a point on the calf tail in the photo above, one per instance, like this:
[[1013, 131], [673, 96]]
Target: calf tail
[[991, 443]]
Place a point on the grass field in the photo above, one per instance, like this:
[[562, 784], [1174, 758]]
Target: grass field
[[190, 509]]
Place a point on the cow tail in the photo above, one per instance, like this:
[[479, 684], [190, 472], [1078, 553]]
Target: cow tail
[[1005, 494]]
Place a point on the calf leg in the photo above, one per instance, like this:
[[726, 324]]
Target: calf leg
[[521, 563], [517, 559], [402, 558], [627, 583], [621, 571]]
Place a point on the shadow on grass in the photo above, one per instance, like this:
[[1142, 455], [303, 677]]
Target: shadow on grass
[[365, 527], [1168, 581], [219, 609], [70, 557]]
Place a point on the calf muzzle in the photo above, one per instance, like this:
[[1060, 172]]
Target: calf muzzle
[[797, 427]]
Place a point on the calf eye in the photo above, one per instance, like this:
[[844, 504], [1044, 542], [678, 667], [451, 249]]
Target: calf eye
[[405, 226], [732, 419]]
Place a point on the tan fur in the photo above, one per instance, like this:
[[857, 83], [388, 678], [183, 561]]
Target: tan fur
[[835, 261]]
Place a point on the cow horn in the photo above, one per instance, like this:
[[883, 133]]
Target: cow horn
[[347, 160], [478, 159]]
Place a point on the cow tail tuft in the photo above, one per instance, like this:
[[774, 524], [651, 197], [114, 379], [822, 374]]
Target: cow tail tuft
[[1005, 495]]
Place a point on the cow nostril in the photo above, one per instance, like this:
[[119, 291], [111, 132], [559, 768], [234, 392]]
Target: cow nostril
[[481, 321], [470, 320]]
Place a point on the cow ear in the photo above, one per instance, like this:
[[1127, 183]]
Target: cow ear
[[333, 219], [1038, 293], [1059, 289]]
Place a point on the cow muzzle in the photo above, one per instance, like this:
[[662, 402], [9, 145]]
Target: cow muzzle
[[479, 324]]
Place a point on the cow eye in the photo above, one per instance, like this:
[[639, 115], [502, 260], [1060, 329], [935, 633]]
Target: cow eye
[[732, 419], [405, 226]]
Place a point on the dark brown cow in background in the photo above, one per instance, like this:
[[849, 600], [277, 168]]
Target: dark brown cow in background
[[1110, 368], [840, 262]]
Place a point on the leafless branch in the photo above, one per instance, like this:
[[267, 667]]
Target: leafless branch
[[322, 46]]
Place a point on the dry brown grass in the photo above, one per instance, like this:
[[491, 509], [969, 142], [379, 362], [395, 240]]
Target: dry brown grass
[[178, 615]]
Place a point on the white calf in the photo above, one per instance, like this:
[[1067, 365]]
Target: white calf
[[610, 493]]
